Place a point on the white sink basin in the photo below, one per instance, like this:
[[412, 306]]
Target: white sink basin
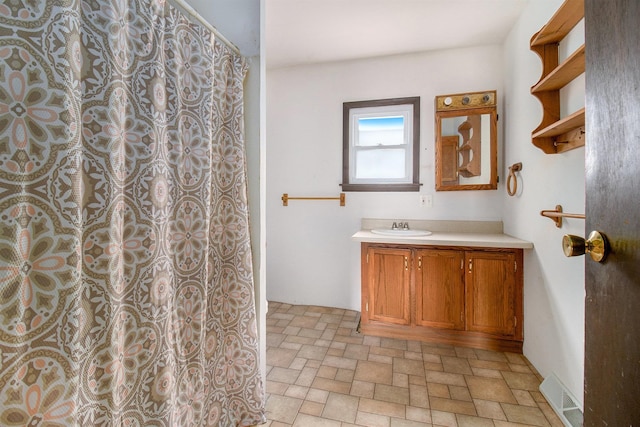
[[400, 232]]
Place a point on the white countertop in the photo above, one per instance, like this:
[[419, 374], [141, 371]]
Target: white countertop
[[437, 238]]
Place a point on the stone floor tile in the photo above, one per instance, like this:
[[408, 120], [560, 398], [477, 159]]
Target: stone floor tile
[[380, 358], [362, 389], [341, 407], [327, 372], [371, 341], [304, 420], [389, 409], [282, 408], [357, 351], [393, 394], [492, 389], [489, 409], [418, 396], [418, 414], [304, 321], [331, 385], [345, 375], [525, 415], [456, 365], [401, 380], [372, 420], [467, 353], [394, 343], [444, 419], [312, 352], [311, 408], [296, 391], [489, 364], [493, 356], [298, 363], [335, 352], [446, 378], [306, 377], [460, 393], [374, 372], [439, 390], [453, 406], [409, 367], [524, 398], [470, 421], [340, 362], [521, 381], [489, 373], [397, 422], [317, 395], [274, 387], [386, 351], [283, 375]]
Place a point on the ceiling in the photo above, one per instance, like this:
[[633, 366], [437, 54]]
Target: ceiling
[[310, 31]]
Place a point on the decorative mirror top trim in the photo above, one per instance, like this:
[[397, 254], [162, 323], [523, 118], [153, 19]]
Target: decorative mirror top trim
[[462, 101]]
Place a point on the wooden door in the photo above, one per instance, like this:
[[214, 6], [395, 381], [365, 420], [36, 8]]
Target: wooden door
[[439, 287], [389, 285], [491, 292], [612, 311]]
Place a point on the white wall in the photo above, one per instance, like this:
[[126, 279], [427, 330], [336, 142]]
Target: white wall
[[310, 256], [554, 285]]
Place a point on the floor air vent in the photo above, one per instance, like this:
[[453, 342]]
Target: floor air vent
[[562, 402]]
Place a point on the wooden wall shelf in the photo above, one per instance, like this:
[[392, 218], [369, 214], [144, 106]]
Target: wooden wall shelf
[[556, 134], [571, 68]]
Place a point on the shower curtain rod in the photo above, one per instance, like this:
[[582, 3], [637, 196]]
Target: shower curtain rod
[[186, 8]]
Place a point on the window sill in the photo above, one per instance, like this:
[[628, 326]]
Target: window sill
[[381, 187]]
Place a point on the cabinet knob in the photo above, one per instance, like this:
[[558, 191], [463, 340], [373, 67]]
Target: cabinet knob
[[596, 246]]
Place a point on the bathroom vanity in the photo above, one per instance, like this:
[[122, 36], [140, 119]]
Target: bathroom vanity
[[461, 285]]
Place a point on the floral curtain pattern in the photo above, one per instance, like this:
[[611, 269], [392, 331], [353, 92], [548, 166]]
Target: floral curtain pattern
[[126, 284]]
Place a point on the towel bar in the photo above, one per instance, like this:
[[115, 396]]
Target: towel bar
[[557, 215], [286, 198]]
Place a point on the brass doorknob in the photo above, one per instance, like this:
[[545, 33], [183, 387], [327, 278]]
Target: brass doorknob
[[596, 246]]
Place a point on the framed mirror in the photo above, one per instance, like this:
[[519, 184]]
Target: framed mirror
[[466, 141]]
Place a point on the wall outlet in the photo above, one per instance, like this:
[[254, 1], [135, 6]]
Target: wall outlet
[[426, 200]]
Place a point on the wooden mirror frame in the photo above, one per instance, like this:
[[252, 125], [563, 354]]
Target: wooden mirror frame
[[465, 104]]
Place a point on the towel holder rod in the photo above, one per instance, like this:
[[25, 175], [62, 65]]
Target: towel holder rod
[[286, 198], [557, 215]]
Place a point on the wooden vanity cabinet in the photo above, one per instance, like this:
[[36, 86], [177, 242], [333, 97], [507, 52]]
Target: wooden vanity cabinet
[[454, 295], [439, 278], [388, 285], [492, 294]]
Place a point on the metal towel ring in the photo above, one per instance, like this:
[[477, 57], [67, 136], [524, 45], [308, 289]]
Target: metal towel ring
[[512, 176]]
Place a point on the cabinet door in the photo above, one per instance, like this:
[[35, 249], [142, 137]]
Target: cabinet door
[[491, 292], [440, 288], [389, 282]]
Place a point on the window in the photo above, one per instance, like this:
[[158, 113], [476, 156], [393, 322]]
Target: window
[[381, 145]]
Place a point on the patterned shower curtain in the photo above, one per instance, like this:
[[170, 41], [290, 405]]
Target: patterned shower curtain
[[126, 285]]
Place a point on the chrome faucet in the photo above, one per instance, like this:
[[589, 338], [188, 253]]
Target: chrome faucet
[[400, 225]]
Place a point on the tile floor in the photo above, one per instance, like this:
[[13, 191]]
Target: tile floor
[[322, 372]]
